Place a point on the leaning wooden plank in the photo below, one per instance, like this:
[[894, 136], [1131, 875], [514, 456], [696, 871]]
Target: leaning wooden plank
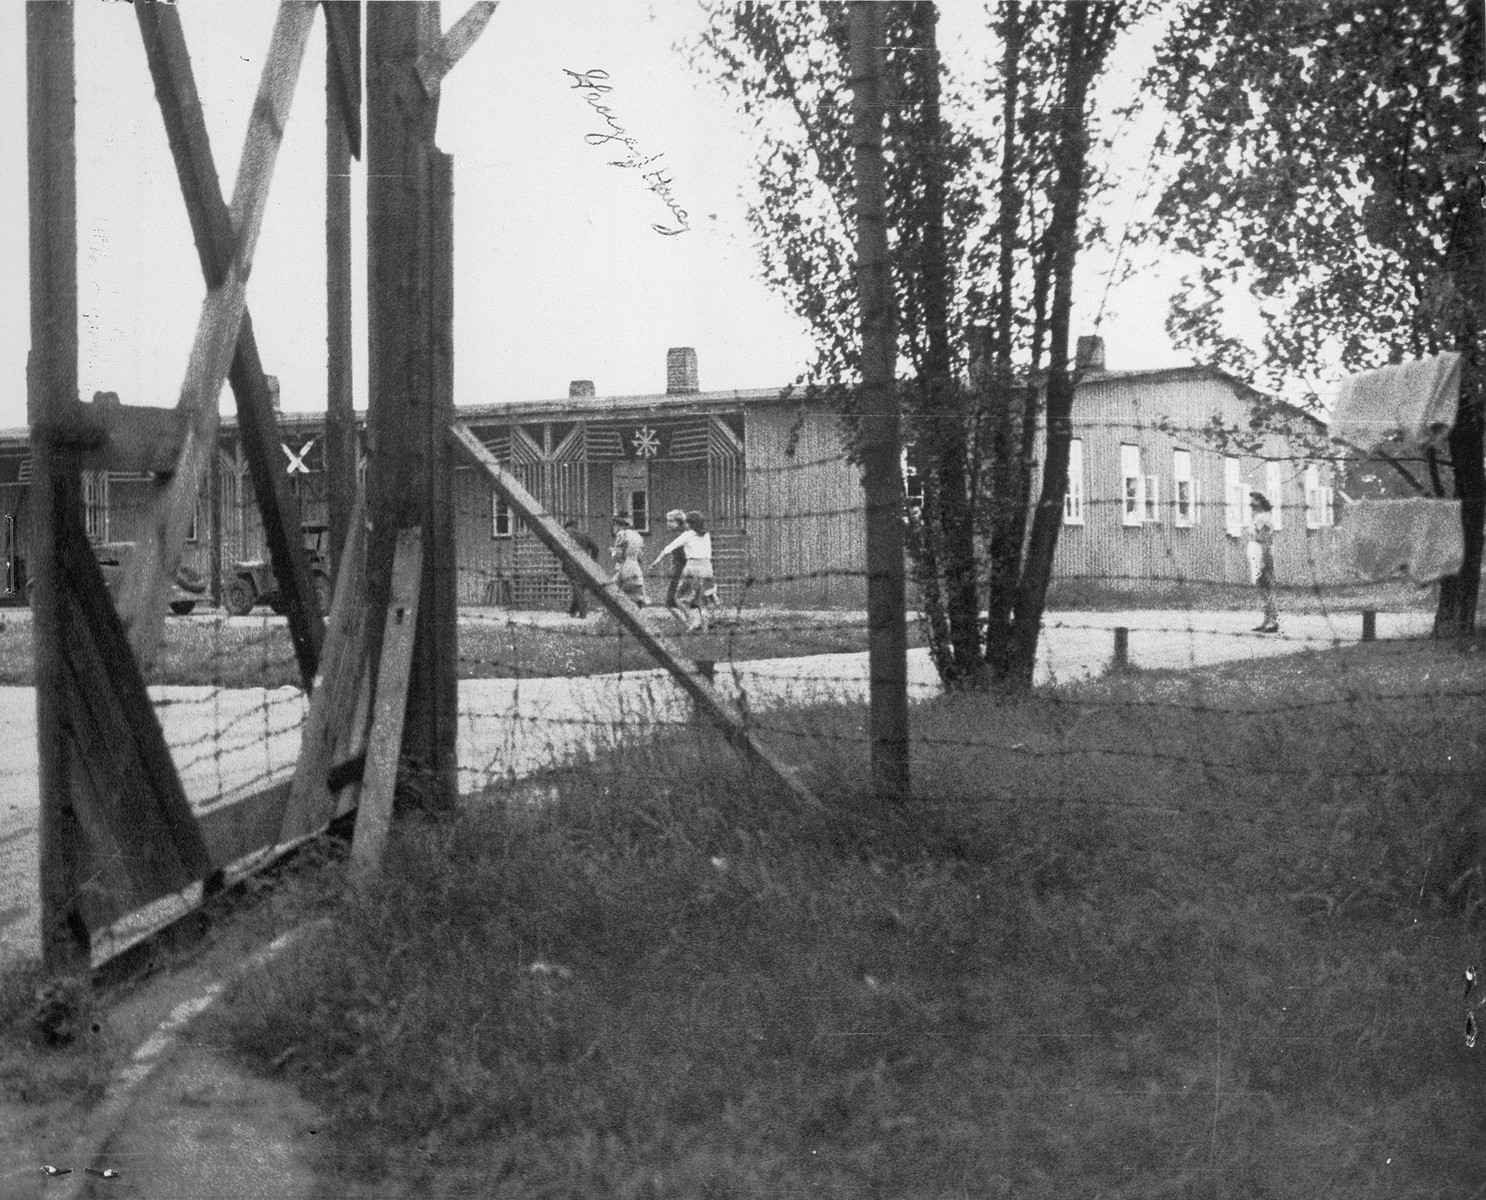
[[555, 538], [267, 123], [439, 59], [128, 701], [117, 808], [185, 129], [258, 431], [343, 53], [332, 703], [384, 746], [162, 537]]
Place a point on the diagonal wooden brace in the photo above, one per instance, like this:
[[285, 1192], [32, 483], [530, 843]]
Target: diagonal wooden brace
[[343, 36], [331, 725], [439, 59], [384, 744], [158, 548], [212, 227], [560, 542]]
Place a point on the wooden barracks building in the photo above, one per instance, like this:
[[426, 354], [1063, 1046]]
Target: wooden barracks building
[[1150, 499]]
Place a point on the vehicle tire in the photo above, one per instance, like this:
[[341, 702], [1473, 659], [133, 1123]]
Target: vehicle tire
[[182, 608], [323, 595], [239, 596]]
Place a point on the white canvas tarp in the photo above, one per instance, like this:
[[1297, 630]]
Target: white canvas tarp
[[1418, 536], [1413, 403]]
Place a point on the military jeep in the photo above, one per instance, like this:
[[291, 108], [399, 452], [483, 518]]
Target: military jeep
[[251, 582]]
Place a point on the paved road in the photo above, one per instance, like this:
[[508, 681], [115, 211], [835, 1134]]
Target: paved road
[[229, 743]]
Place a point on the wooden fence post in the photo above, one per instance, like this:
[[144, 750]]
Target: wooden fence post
[[1369, 625], [887, 631], [342, 139], [1121, 648], [409, 280], [51, 383]]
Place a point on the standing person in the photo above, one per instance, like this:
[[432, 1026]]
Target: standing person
[[578, 607], [629, 570], [1261, 559], [698, 586], [627, 541], [675, 524]]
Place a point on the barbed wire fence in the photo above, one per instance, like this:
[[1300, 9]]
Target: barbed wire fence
[[1133, 667]]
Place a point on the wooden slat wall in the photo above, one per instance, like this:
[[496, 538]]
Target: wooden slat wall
[[1107, 415], [806, 533]]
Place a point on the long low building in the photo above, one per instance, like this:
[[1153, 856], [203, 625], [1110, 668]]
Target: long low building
[[1157, 492]]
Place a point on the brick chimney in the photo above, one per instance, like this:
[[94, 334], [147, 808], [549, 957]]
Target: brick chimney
[[580, 388], [681, 371], [1090, 353]]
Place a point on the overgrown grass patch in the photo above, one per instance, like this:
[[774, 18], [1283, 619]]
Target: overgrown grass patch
[[52, 1048], [1155, 935]]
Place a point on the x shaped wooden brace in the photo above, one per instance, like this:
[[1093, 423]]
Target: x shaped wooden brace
[[225, 238]]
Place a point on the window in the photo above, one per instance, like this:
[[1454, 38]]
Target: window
[[1319, 500], [1152, 498], [1234, 508], [1134, 485], [632, 493], [1073, 498], [1186, 497], [95, 505], [1274, 493], [500, 515], [639, 509]]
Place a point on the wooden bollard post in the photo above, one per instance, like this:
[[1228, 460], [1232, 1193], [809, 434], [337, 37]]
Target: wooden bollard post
[[1121, 648], [1369, 625]]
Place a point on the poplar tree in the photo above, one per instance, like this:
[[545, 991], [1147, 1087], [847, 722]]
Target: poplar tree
[[987, 188]]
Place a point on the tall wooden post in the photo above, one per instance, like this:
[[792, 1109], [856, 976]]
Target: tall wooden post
[[51, 385], [408, 276], [342, 99], [887, 631]]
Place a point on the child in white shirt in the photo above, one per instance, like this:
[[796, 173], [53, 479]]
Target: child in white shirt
[[698, 586]]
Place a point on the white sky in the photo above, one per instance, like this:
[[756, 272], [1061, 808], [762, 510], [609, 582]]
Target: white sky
[[559, 275]]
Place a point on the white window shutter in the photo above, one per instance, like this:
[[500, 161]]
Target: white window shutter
[[1233, 497], [1132, 486], [1313, 515]]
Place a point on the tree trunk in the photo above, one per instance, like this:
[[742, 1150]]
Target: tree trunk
[[1456, 613], [1007, 515], [888, 636], [1081, 55]]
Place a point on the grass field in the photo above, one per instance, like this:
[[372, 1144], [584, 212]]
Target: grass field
[[1161, 934]]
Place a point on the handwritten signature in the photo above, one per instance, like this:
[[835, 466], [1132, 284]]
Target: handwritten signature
[[657, 180]]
